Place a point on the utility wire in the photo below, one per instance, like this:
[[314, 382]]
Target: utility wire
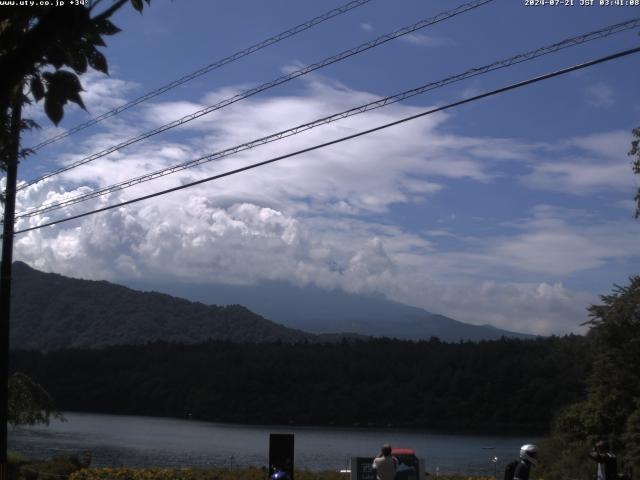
[[522, 57], [212, 66], [342, 139], [265, 86]]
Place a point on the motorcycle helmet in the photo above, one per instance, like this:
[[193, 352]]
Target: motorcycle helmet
[[529, 453]]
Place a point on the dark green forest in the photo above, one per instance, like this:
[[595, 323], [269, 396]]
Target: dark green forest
[[504, 385]]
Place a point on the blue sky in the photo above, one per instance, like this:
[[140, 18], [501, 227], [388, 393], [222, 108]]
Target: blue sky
[[514, 210]]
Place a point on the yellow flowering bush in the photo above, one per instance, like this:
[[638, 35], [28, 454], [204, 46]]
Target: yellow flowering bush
[[215, 474], [192, 474]]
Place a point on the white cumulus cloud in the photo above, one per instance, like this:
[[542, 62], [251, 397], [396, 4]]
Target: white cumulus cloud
[[324, 217]]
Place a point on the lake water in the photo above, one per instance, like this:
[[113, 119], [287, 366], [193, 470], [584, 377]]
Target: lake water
[[131, 441]]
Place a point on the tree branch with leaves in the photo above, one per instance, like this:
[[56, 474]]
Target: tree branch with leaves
[[29, 402], [46, 48]]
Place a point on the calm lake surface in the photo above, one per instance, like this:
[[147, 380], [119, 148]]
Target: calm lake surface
[[117, 440]]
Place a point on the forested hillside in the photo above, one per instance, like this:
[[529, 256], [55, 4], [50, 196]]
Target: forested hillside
[[50, 312], [493, 385]]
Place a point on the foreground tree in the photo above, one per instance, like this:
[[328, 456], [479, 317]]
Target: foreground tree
[[43, 49], [635, 152], [611, 410], [29, 402]]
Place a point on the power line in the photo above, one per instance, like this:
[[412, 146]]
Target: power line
[[342, 139], [213, 66], [265, 86], [522, 57]]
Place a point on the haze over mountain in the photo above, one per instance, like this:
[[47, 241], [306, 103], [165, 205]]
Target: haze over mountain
[[51, 311], [321, 311]]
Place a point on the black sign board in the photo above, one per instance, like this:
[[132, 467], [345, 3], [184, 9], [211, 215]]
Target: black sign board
[[363, 467]]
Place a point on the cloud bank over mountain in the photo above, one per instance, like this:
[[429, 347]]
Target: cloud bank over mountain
[[347, 216]]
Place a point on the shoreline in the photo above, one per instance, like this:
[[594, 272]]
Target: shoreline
[[496, 431]]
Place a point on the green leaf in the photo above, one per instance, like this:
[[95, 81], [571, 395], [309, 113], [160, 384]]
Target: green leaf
[[98, 61], [37, 88], [94, 37], [138, 5], [56, 55], [54, 109], [76, 60], [28, 124], [63, 86], [25, 152], [77, 99], [70, 87], [69, 78], [105, 27]]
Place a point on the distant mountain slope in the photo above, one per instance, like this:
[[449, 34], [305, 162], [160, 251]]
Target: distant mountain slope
[[50, 311], [322, 311]]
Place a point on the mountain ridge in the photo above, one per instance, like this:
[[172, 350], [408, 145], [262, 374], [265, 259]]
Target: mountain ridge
[[321, 311], [51, 311]]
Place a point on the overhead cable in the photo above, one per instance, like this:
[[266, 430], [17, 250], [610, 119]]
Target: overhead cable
[[513, 60], [212, 66], [265, 86], [339, 140]]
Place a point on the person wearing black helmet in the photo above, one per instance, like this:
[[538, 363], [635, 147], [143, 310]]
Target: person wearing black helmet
[[528, 457]]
